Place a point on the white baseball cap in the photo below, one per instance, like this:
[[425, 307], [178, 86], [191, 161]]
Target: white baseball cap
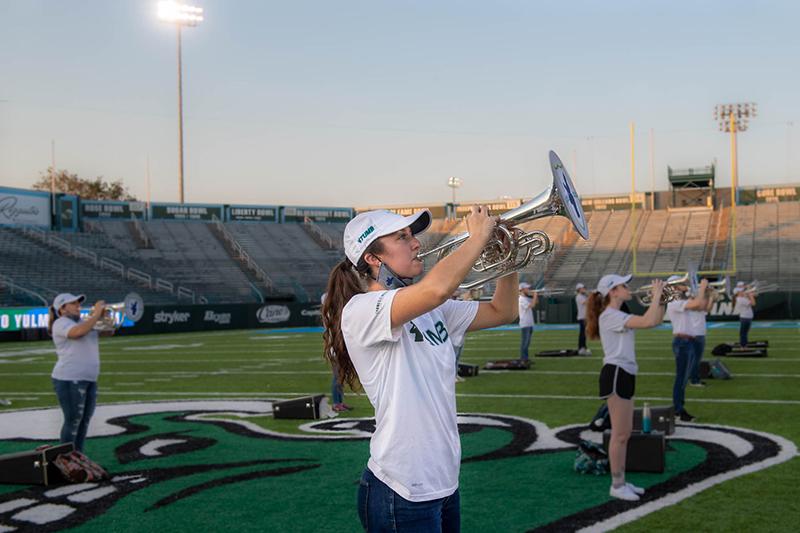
[[673, 278], [580, 286], [366, 227], [66, 298], [740, 283], [610, 281], [524, 285], [737, 290]]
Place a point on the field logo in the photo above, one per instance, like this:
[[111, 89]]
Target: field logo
[[202, 465], [272, 314]]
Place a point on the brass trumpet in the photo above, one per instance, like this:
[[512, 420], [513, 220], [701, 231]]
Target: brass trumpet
[[510, 249], [670, 293], [115, 314]]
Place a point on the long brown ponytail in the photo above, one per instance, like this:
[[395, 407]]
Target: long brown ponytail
[[595, 305], [52, 318], [344, 282]]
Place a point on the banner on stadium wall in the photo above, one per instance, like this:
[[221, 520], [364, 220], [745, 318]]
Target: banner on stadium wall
[[497, 207], [437, 211], [600, 203], [245, 213], [185, 212], [26, 318], [112, 209], [19, 207], [317, 214], [787, 193], [67, 212]]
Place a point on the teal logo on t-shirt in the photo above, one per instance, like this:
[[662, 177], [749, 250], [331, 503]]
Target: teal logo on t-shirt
[[434, 338]]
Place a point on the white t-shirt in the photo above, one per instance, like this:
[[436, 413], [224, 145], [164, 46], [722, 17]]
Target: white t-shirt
[[407, 373], [525, 312], [580, 301], [78, 359], [743, 307], [679, 316], [618, 340], [697, 323]]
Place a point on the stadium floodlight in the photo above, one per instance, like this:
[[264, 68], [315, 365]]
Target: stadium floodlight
[[732, 119], [454, 183], [189, 16]]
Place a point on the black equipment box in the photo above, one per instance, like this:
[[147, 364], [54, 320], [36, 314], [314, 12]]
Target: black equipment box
[[557, 353], [34, 467], [467, 371], [661, 419], [646, 451], [716, 369], [507, 364], [307, 407]]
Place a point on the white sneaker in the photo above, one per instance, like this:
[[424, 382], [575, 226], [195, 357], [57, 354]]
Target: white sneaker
[[588, 351], [623, 493], [635, 489], [459, 379]]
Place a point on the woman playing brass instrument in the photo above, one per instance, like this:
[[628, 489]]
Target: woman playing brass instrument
[[78, 367], [615, 329]]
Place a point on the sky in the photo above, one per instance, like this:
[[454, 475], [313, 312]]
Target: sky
[[373, 102]]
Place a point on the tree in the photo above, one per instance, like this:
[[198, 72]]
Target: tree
[[88, 189]]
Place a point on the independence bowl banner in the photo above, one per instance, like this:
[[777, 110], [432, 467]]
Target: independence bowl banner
[[205, 466]]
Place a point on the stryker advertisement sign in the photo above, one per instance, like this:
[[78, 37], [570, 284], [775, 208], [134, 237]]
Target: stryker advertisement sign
[[21, 318], [24, 208], [185, 212]]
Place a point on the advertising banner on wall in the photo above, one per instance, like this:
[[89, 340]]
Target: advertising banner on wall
[[19, 207], [254, 213], [185, 212], [24, 318], [112, 209], [317, 214]]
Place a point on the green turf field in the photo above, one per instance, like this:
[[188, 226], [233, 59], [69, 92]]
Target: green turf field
[[500, 495]]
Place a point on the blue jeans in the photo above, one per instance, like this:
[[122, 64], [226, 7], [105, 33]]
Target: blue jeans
[[337, 394], [381, 509], [77, 400], [744, 330], [527, 335], [682, 349], [699, 346], [581, 334]]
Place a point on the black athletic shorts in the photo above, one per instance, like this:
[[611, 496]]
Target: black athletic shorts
[[614, 380]]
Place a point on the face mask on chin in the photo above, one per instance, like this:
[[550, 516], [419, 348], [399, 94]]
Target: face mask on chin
[[390, 280]]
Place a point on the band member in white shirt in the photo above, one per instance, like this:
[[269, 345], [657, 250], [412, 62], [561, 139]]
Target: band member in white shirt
[[745, 302], [392, 337], [697, 323], [615, 329], [527, 301], [580, 302], [683, 342]]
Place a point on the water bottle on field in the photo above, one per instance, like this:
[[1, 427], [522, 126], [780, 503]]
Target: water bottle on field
[[646, 419]]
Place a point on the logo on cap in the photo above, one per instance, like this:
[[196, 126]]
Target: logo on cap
[[366, 233]]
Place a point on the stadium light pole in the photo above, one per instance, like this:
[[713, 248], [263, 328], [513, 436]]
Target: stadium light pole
[[733, 118], [454, 183], [181, 15]]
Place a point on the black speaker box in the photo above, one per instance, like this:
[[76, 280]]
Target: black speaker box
[[557, 353], [661, 419], [507, 364], [467, 371], [34, 467], [646, 451], [307, 407]]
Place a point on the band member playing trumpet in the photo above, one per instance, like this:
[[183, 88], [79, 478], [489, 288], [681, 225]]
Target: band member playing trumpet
[[615, 329], [78, 367], [683, 340], [394, 337], [528, 300]]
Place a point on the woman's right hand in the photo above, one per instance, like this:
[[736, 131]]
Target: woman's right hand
[[657, 290], [480, 224], [98, 308]]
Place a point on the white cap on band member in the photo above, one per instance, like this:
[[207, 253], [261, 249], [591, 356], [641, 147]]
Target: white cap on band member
[[366, 227]]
